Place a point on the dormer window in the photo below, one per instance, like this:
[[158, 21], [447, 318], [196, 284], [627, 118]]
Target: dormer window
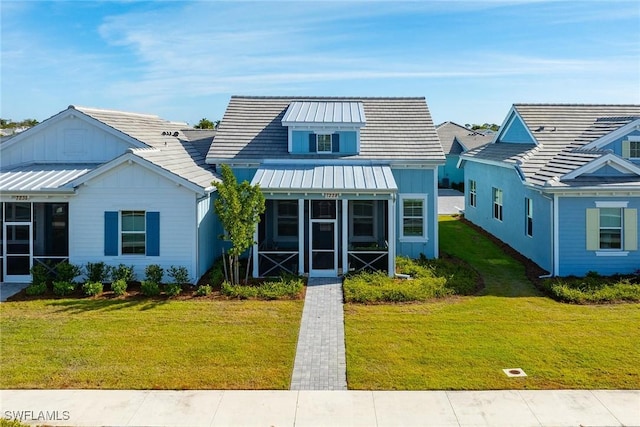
[[323, 143], [634, 149]]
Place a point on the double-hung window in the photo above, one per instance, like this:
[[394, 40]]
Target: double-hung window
[[414, 223], [612, 228], [497, 203], [528, 218], [472, 193], [323, 142], [631, 148], [133, 232]]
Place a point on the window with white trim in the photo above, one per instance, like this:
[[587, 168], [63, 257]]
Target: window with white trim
[[414, 212], [528, 218], [362, 220], [634, 149], [286, 219], [323, 143], [612, 228], [472, 193], [133, 235], [497, 203]]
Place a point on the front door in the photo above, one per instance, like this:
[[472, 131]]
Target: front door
[[323, 238], [17, 258]]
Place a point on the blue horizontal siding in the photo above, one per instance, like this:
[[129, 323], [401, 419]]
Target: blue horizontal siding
[[511, 229], [574, 257]]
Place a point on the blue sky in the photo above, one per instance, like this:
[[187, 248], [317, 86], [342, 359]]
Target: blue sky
[[183, 60]]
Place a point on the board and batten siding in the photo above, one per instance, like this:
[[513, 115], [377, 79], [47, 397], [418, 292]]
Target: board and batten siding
[[577, 255], [71, 140], [512, 228], [209, 229], [132, 187], [417, 182], [300, 142], [450, 170]]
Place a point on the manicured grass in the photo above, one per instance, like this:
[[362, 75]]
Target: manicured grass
[[148, 344], [463, 343]]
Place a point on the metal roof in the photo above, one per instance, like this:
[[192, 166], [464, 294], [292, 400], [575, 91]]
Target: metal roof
[[326, 112], [41, 177], [325, 178]]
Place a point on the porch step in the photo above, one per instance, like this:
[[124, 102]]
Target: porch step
[[320, 362]]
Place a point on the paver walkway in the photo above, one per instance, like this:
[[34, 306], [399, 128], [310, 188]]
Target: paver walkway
[[320, 362]]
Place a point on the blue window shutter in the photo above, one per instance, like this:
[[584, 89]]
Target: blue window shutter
[[153, 233], [335, 143], [111, 233], [312, 142]]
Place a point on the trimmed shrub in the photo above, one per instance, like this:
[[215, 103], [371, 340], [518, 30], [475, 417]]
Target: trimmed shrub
[[62, 288], [67, 272], [593, 289], [40, 275], [178, 275], [285, 287], [119, 287], [36, 288], [172, 289], [216, 276], [92, 289], [149, 288], [203, 290], [154, 273], [96, 272], [122, 272]]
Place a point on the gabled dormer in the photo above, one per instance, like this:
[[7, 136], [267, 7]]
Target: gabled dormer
[[623, 141], [514, 130], [324, 127]]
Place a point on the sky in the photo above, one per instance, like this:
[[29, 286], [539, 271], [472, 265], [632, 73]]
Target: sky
[[183, 60]]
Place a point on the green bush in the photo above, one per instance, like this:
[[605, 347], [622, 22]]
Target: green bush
[[36, 288], [149, 288], [179, 275], [119, 287], [40, 275], [96, 272], [593, 289], [216, 276], [154, 273], [172, 289], [374, 287], [92, 289], [203, 290], [285, 287], [67, 272], [62, 288], [12, 423], [122, 272]]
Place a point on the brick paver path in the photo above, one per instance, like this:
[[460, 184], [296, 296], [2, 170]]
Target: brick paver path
[[320, 356]]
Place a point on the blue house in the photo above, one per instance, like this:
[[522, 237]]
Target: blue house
[[561, 185], [455, 140], [349, 182]]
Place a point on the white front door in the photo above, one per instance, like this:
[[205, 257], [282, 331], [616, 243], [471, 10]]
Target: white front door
[[323, 239]]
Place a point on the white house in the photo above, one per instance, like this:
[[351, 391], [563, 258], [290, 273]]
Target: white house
[[92, 185]]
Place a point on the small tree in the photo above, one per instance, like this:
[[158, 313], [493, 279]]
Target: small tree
[[205, 123], [239, 207]]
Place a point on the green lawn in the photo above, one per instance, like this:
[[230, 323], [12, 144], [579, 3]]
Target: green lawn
[[464, 343], [147, 344]]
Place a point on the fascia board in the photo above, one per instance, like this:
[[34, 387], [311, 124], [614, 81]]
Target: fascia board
[[612, 136]]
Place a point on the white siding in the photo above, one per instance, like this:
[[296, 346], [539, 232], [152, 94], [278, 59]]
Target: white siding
[[71, 140], [132, 187]]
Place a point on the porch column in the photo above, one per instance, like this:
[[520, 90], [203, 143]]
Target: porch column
[[391, 218], [254, 254], [345, 236], [301, 222]]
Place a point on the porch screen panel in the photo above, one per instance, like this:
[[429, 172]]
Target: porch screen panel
[[51, 229]]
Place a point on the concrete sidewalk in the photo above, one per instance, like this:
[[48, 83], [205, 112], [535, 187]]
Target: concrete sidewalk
[[322, 408]]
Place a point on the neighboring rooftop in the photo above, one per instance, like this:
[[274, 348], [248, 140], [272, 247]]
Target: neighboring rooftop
[[396, 129], [174, 149], [560, 130], [456, 139]]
